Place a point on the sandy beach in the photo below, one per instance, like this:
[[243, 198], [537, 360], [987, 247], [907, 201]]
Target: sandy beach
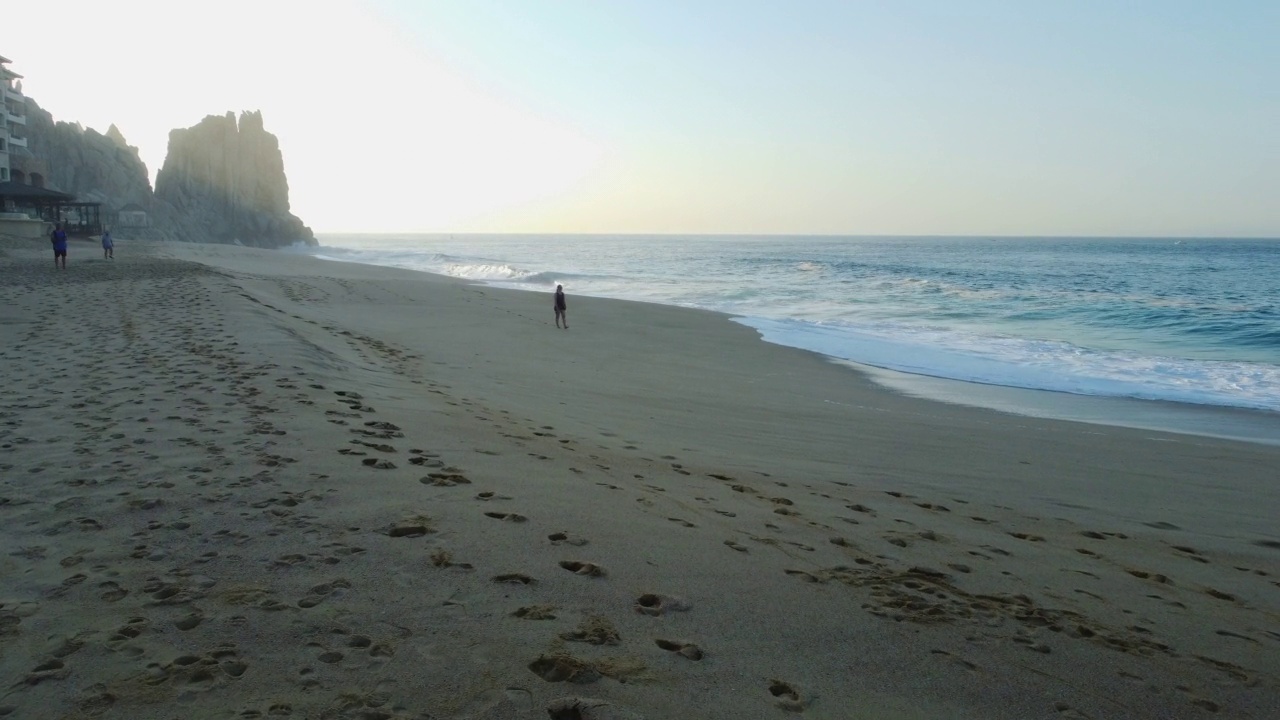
[[248, 484]]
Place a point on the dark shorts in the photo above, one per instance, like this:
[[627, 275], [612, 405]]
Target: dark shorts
[[59, 253]]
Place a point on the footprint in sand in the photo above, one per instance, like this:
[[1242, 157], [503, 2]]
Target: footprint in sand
[[96, 701], [564, 538], [787, 696], [514, 579], [653, 604], [736, 546], [564, 668], [957, 659], [535, 612], [319, 593], [111, 591], [585, 708], [189, 622], [1190, 553], [594, 630], [377, 464], [444, 479], [50, 670], [442, 558], [804, 575], [1212, 592], [508, 517], [583, 568], [1238, 636], [1155, 577], [408, 530], [683, 649], [65, 646]]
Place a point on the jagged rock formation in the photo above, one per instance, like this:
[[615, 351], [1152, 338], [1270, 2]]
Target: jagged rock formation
[[228, 180], [220, 182], [84, 162]]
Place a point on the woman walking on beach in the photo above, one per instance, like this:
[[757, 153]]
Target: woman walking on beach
[[561, 307], [108, 246]]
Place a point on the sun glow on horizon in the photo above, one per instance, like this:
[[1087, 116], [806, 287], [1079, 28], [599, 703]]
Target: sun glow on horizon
[[376, 134]]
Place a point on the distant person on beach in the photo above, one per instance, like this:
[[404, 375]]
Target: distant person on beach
[[108, 246], [59, 239], [561, 307]]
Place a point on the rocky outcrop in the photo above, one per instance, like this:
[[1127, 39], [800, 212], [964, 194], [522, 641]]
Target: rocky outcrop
[[226, 180], [82, 161], [221, 182]]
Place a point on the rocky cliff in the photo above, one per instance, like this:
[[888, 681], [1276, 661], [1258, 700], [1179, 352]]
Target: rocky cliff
[[92, 166], [227, 179], [221, 182]]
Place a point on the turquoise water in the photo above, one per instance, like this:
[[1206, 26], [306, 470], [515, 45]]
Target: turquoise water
[[1193, 321]]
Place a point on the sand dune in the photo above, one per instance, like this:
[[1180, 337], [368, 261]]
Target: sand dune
[[242, 484]]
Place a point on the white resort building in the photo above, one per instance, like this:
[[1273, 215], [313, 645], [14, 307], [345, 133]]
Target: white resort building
[[26, 205], [16, 219], [13, 121]]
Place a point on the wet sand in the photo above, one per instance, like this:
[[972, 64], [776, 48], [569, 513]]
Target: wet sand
[[238, 484]]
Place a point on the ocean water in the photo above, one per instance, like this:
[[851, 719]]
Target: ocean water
[[1183, 320]]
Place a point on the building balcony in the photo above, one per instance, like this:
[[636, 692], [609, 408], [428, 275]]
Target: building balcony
[[12, 94], [15, 119], [17, 141]]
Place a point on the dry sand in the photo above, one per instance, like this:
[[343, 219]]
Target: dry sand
[[243, 484]]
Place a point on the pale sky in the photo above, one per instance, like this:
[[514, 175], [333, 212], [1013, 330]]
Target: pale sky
[[1021, 117]]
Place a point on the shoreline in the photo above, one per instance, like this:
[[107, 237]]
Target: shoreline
[[1203, 420], [1213, 421], [238, 482]]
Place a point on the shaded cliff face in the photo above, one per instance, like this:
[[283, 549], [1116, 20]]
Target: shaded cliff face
[[84, 162], [222, 181], [226, 182]]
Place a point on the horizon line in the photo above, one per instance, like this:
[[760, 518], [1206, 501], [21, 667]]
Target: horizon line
[[992, 236]]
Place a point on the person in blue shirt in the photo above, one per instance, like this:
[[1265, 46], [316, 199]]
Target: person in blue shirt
[[59, 239], [108, 246]]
